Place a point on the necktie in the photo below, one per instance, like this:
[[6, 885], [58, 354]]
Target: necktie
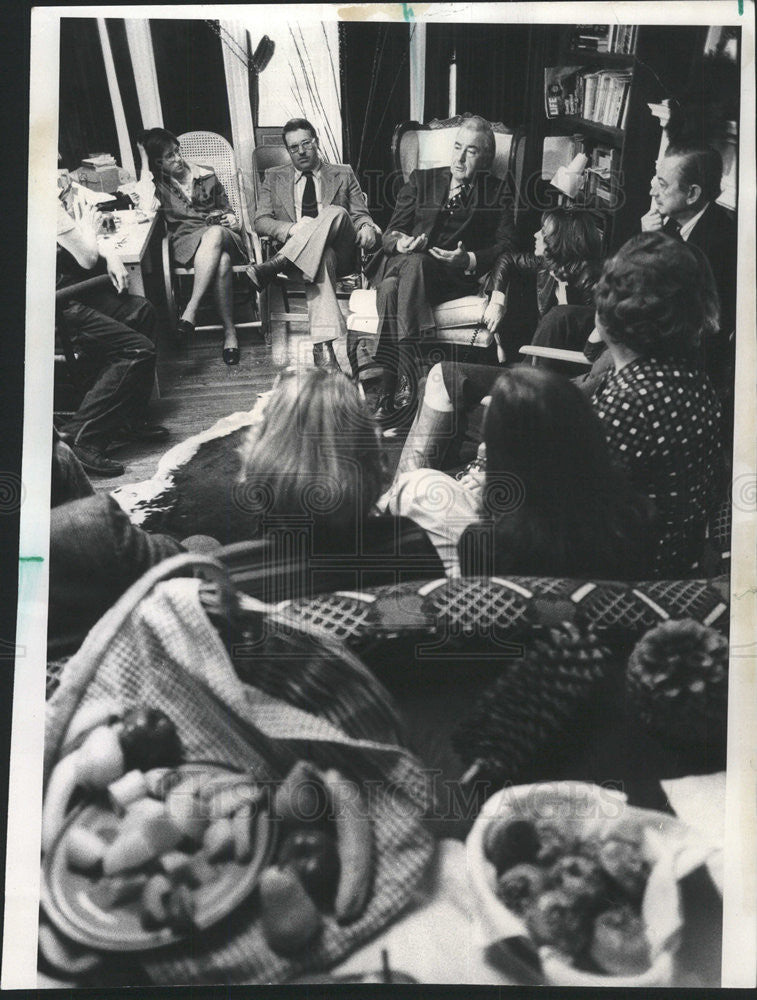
[[309, 203], [457, 199]]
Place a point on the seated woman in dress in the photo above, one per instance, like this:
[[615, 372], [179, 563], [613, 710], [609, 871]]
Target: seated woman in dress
[[559, 275], [204, 232], [550, 503], [656, 301]]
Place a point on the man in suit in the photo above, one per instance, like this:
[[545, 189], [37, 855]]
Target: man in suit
[[684, 190], [448, 227], [318, 214]]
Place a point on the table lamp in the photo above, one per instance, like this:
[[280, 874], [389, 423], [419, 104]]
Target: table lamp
[[569, 180]]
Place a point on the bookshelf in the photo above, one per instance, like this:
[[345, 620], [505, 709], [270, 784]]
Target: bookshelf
[[595, 104]]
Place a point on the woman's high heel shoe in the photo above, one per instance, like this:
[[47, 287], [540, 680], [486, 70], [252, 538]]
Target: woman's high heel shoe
[[231, 355], [184, 329]]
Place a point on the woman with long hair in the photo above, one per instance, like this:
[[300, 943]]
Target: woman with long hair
[[559, 274], [551, 502], [315, 460], [203, 229]]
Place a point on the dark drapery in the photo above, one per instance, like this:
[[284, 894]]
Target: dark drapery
[[375, 77], [86, 123], [191, 79]]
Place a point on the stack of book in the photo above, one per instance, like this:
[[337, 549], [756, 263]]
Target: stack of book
[[600, 96], [619, 38], [99, 171], [603, 177]]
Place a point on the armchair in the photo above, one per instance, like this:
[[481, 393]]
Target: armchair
[[459, 323]]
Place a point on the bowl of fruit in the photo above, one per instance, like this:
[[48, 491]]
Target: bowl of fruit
[[577, 888]]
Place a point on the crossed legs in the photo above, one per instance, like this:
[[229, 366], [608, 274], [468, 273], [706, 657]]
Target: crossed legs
[[212, 267]]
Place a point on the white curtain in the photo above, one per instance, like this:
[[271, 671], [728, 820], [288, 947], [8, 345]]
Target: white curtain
[[234, 47], [417, 71], [302, 79], [145, 75]]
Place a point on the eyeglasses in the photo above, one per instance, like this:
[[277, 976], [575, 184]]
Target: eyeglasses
[[306, 145]]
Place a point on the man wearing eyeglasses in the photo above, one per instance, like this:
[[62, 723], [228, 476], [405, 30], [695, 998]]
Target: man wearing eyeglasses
[[317, 214]]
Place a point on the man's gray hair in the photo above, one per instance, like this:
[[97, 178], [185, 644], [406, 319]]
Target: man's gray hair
[[484, 127]]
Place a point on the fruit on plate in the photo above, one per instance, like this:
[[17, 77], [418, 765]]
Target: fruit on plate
[[143, 738], [509, 842], [519, 887], [312, 855], [625, 864], [558, 920], [141, 844], [580, 878], [116, 890], [289, 917], [619, 943], [84, 849]]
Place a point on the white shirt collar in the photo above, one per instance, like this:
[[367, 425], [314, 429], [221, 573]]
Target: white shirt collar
[[688, 226], [316, 172]]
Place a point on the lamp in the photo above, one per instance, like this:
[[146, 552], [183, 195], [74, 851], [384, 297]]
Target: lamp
[[569, 180]]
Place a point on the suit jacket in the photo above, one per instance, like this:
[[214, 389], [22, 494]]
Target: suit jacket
[[715, 235], [488, 230], [276, 211]]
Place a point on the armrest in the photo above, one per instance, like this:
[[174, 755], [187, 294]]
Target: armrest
[[71, 291], [555, 354]]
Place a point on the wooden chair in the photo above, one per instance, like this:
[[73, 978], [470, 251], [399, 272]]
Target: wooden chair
[[263, 158], [214, 151], [459, 322]]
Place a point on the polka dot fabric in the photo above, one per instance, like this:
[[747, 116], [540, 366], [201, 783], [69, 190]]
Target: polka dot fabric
[[662, 422]]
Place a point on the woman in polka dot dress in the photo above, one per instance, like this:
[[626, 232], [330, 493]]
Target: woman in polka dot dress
[[655, 303]]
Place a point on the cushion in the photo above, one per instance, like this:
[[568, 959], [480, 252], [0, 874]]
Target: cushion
[[456, 321], [424, 149]]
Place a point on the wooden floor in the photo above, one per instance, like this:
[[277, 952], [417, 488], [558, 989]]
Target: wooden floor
[[197, 388]]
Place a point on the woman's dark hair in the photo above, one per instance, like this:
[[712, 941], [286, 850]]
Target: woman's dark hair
[[315, 461], [157, 142], [571, 237], [554, 503], [657, 296]]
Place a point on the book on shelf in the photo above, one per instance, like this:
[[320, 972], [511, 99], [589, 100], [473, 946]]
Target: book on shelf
[[604, 38], [597, 96], [603, 175]]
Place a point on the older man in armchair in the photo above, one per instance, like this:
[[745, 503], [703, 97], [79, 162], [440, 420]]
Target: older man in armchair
[[448, 227]]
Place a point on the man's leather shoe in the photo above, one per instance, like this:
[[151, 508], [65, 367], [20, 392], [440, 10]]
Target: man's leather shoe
[[261, 275], [324, 357], [95, 463]]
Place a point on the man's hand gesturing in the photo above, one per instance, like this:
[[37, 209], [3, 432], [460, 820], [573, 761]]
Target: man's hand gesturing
[[459, 258]]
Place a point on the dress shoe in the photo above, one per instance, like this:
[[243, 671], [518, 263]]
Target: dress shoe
[[261, 275], [184, 330], [96, 463], [230, 356], [324, 357]]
